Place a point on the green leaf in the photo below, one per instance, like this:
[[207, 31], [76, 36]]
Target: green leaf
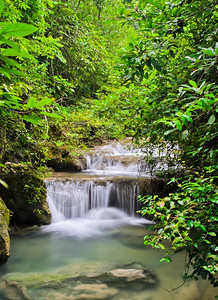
[[170, 131], [32, 119], [11, 62], [18, 29], [31, 102], [161, 246], [52, 115], [212, 233], [193, 83], [12, 71], [1, 6], [10, 43], [4, 71], [43, 102], [178, 124], [156, 64], [21, 53], [188, 118], [167, 259], [211, 119], [209, 51], [2, 182]]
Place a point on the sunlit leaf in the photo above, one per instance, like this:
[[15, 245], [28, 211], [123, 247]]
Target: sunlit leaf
[[188, 118], [46, 101], [1, 6], [178, 124], [18, 29], [10, 43], [11, 62], [211, 119], [2, 182], [4, 71], [52, 115], [13, 52], [32, 119], [209, 51], [31, 102], [193, 83]]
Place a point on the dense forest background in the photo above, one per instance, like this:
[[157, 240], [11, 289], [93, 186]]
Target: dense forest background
[[74, 73]]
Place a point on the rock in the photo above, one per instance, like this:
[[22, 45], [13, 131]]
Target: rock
[[4, 235], [12, 291], [62, 159], [128, 274], [94, 291], [26, 195], [82, 281], [64, 165]]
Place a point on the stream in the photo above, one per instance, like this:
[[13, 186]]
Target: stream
[[93, 249]]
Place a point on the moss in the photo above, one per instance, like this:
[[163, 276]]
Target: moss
[[4, 235], [26, 195]]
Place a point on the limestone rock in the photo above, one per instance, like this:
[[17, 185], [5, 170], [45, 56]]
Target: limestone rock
[[83, 281], [4, 235], [26, 195]]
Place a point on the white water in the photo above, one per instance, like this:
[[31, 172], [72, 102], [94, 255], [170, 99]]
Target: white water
[[88, 207], [85, 209], [75, 203], [124, 159]]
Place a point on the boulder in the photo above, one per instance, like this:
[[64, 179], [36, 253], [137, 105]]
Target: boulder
[[4, 235], [25, 196], [97, 280]]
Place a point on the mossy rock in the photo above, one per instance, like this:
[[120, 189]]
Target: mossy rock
[[4, 235], [66, 164], [61, 159], [26, 195], [91, 280]]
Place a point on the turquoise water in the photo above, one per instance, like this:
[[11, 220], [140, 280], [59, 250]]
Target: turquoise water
[[35, 251]]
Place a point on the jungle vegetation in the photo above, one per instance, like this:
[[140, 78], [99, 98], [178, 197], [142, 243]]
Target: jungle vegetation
[[74, 72]]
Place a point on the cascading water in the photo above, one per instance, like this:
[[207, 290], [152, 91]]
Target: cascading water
[[117, 158], [87, 206], [70, 200]]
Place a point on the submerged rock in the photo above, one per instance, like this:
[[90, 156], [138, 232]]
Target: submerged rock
[[84, 281], [4, 235], [26, 195]]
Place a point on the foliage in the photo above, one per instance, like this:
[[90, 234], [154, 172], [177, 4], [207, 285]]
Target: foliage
[[33, 67], [60, 93], [11, 94], [169, 96], [187, 219]]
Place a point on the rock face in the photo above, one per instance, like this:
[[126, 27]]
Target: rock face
[[84, 281], [4, 235], [25, 197], [66, 164]]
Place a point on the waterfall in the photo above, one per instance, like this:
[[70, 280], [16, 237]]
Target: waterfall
[[70, 199], [96, 199], [115, 158]]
